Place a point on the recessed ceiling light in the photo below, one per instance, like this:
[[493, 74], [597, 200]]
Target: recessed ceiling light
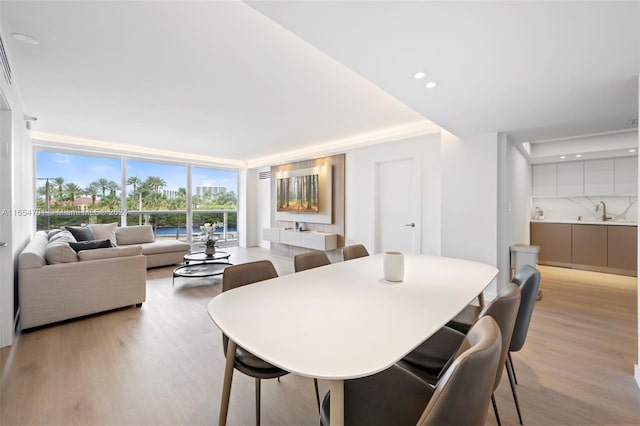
[[578, 155], [23, 38], [563, 156], [430, 85], [632, 150], [419, 75]]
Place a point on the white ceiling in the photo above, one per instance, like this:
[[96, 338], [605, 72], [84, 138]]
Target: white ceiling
[[243, 82]]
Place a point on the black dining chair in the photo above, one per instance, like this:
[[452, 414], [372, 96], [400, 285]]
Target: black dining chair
[[309, 260], [354, 251], [431, 359], [397, 397], [249, 364]]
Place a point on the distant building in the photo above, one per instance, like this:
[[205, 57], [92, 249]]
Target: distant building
[[207, 190], [169, 193]]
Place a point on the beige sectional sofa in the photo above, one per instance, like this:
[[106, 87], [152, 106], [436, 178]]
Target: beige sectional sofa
[[56, 283]]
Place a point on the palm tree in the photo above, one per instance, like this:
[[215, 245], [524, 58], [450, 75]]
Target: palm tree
[[135, 181], [103, 184], [111, 201], [92, 190], [113, 187], [59, 181], [155, 183], [72, 191]]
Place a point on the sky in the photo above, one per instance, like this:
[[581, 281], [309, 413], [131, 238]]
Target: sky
[[84, 169]]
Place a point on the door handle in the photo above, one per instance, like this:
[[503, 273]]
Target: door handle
[[412, 225], [4, 244]]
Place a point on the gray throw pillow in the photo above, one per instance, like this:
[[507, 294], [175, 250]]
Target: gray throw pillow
[[90, 245], [81, 233]]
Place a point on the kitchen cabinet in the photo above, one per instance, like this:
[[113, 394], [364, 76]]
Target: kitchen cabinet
[[554, 240], [625, 179], [594, 247], [622, 244], [570, 178], [544, 180], [598, 177], [617, 176], [589, 245]]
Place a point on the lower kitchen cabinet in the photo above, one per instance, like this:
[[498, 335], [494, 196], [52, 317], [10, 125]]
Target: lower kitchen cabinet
[[593, 247], [554, 240], [622, 244], [589, 245]]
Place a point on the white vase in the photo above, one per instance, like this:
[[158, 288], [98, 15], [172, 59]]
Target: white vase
[[393, 266]]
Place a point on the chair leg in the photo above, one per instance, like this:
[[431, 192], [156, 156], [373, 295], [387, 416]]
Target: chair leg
[[513, 370], [315, 384], [257, 402], [495, 409], [515, 397]]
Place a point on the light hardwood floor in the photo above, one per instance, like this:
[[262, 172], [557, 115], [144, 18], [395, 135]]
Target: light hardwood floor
[[163, 364]]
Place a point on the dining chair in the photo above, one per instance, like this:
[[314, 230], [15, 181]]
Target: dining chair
[[528, 278], [249, 364], [309, 260], [431, 359], [397, 397], [354, 251]]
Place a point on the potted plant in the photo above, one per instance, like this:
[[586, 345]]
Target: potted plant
[[210, 242]]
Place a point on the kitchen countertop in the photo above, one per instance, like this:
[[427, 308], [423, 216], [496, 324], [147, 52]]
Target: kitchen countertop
[[584, 222]]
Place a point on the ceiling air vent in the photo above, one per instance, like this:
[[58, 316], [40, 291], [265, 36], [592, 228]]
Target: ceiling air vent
[[264, 175], [6, 69]]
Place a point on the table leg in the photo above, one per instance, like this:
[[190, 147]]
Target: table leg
[[226, 387], [337, 402]]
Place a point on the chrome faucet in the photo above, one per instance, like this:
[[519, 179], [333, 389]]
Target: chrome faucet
[[604, 211]]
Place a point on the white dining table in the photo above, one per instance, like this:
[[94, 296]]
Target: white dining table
[[344, 320]]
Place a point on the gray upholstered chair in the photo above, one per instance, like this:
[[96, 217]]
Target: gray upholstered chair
[[430, 360], [528, 278], [249, 364], [397, 397], [312, 259], [354, 251]]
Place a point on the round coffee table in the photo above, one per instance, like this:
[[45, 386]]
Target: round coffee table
[[200, 270], [201, 257]]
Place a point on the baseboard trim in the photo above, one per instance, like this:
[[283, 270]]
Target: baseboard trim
[[637, 375]]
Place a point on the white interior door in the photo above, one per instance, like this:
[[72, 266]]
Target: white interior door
[[397, 213], [6, 263]]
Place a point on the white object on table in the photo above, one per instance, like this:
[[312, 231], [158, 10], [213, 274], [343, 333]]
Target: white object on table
[[393, 266], [344, 320]]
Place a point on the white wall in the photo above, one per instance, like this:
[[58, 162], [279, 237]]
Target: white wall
[[17, 186], [360, 197], [470, 198], [247, 207], [637, 367]]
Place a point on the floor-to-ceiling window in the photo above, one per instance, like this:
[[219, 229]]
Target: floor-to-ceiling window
[[157, 196], [74, 188]]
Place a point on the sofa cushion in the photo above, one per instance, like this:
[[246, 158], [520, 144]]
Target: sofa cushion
[[60, 252], [33, 254], [105, 231], [64, 236], [107, 253], [80, 233], [90, 245], [165, 246], [128, 235]]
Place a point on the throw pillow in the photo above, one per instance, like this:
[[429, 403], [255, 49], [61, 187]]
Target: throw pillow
[[90, 245], [81, 233], [60, 252], [138, 234], [105, 231]]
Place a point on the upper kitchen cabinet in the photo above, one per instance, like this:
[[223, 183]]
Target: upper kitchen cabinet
[[598, 177], [626, 176], [570, 178], [545, 180]]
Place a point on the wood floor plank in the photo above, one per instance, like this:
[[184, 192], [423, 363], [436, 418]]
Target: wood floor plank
[[163, 364]]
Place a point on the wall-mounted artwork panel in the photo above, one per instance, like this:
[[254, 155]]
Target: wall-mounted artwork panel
[[304, 195]]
